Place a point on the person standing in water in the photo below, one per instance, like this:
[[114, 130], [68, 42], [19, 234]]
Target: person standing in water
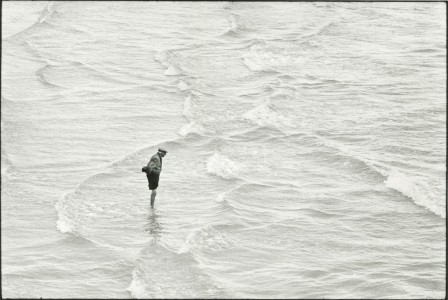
[[153, 170]]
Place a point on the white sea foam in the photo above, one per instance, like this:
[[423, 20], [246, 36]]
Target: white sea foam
[[188, 107], [221, 197], [137, 288], [172, 71], [253, 62], [417, 190], [192, 127], [183, 86], [282, 93], [233, 20], [222, 166], [6, 163], [19, 16], [167, 59], [262, 115], [205, 238], [64, 224], [261, 58], [46, 14], [162, 58]]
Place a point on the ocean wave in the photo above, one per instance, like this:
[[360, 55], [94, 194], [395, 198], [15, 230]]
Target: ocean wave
[[73, 214], [188, 107], [253, 62], [225, 206], [237, 26], [47, 13], [283, 93], [413, 187], [316, 213], [172, 71], [206, 238], [37, 56], [192, 127], [183, 86], [222, 166], [161, 273], [248, 43], [418, 191], [64, 224], [142, 154], [256, 133], [75, 74], [263, 115], [8, 168], [221, 197], [427, 50], [41, 77], [169, 60], [137, 288], [259, 59], [322, 30], [42, 19], [253, 42], [344, 152], [236, 200]]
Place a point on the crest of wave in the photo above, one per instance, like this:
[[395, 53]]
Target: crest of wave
[[138, 286], [263, 115], [259, 58], [222, 166], [167, 58], [418, 191], [183, 86], [208, 238], [254, 61], [192, 127]]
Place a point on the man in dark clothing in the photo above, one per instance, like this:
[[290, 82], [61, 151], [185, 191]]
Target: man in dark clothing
[[153, 170]]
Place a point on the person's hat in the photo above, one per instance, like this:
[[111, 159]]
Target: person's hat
[[162, 150]]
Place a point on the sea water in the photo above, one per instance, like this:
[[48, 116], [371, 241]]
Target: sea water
[[306, 149]]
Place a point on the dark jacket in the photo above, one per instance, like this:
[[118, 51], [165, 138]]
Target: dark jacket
[[155, 164]]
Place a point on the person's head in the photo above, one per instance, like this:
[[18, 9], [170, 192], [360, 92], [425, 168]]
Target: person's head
[[162, 152]]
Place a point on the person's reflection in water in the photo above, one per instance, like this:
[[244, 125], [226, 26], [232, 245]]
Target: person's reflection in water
[[153, 226]]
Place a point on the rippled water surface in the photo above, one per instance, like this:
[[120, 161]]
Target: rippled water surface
[[306, 149]]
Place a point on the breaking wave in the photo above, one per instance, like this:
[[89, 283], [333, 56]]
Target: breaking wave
[[42, 18], [193, 126], [418, 191], [162, 273], [169, 59], [74, 74], [412, 187], [237, 26], [222, 166], [207, 238], [264, 115]]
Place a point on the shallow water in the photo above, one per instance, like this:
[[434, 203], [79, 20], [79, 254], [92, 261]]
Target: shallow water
[[306, 149]]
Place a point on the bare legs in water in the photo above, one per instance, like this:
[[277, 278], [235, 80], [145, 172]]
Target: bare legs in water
[[153, 197]]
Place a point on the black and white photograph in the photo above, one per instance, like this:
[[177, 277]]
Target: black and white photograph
[[223, 150]]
